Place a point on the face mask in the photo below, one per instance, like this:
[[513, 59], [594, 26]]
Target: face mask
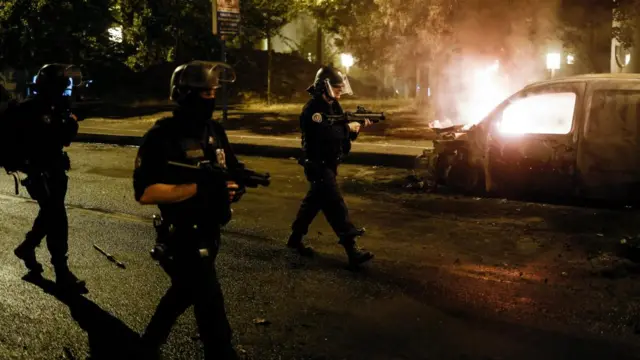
[[201, 108]]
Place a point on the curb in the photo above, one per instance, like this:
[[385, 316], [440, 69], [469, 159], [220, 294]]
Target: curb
[[272, 151]]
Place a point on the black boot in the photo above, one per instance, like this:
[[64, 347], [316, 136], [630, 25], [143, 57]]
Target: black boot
[[356, 256], [66, 280], [148, 349], [295, 243], [27, 253]]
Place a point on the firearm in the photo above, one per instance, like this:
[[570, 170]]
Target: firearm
[[358, 116], [241, 175]]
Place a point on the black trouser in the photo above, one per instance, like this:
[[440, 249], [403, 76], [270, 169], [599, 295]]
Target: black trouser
[[324, 195], [49, 189], [193, 282]]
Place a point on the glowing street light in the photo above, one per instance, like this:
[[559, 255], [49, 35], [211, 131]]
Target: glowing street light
[[115, 34], [570, 59], [347, 61], [553, 62]]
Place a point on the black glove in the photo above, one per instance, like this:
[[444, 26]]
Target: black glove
[[213, 197], [241, 191]]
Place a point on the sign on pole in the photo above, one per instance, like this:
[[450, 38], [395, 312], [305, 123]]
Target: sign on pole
[[226, 19]]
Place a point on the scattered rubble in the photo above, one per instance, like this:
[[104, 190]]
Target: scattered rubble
[[261, 321]]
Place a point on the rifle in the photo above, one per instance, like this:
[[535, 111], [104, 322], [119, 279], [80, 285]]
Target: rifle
[[241, 175], [358, 116]]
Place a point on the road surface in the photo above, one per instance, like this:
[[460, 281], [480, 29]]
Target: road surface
[[453, 277]]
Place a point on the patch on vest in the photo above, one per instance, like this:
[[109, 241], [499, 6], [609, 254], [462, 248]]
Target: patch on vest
[[317, 117], [221, 158], [211, 140]]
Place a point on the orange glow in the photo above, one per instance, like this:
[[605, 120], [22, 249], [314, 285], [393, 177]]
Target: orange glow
[[550, 113], [486, 89]]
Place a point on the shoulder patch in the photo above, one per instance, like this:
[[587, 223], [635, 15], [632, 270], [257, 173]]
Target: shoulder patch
[[138, 161], [317, 117]]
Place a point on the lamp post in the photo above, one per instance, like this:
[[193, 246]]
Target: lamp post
[[553, 62], [347, 61]]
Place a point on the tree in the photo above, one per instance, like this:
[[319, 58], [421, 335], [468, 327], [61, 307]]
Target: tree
[[626, 14], [157, 31], [331, 16], [33, 33], [585, 29], [402, 35], [263, 19]]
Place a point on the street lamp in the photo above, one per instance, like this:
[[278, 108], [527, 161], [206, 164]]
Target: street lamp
[[115, 34], [570, 59], [553, 62], [347, 61]]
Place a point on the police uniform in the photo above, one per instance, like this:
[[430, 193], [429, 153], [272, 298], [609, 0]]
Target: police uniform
[[324, 144], [47, 127], [195, 237]]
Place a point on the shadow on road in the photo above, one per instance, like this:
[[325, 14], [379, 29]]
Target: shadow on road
[[517, 339], [109, 337]]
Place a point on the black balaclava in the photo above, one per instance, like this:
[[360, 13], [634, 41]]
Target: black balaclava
[[196, 110]]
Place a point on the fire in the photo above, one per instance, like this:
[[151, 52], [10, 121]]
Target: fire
[[485, 91], [539, 114]]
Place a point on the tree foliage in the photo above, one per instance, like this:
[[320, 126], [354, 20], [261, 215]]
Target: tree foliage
[[157, 31], [626, 13], [378, 32], [263, 19], [34, 32]]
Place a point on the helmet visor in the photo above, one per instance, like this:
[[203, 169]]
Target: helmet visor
[[73, 73], [206, 75], [342, 86]]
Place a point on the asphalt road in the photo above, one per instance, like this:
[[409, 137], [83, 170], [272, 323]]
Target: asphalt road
[[440, 287]]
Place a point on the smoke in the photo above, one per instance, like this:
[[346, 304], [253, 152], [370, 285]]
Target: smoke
[[496, 51]]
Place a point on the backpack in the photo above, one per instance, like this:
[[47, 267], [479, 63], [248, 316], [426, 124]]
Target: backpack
[[11, 137]]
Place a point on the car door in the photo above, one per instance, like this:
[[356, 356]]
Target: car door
[[531, 142], [609, 147]]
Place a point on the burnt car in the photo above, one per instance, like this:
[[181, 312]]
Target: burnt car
[[576, 136]]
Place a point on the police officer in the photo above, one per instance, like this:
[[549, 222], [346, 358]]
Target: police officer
[[324, 144], [48, 126], [193, 204]]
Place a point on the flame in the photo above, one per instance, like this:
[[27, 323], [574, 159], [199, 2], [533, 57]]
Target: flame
[[539, 114], [486, 90]]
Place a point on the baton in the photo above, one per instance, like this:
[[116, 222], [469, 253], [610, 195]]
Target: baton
[[110, 257]]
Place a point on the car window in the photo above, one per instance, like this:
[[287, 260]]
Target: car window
[[614, 114], [542, 113]]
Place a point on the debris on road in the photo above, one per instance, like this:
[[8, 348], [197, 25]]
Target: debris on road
[[110, 257], [261, 321]]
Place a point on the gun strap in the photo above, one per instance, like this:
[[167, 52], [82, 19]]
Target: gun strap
[[16, 181]]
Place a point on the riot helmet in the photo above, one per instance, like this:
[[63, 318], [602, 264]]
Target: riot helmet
[[193, 86], [197, 76], [327, 79], [53, 80]]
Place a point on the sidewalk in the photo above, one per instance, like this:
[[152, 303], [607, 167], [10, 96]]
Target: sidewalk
[[367, 150]]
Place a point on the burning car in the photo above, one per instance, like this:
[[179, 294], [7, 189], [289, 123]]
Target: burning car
[[577, 136]]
